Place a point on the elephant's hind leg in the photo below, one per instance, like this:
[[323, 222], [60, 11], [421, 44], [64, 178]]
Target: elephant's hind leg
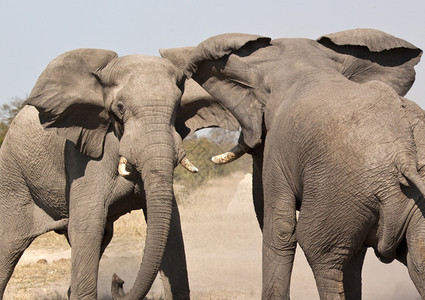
[[329, 231], [279, 241], [15, 229], [11, 249], [18, 229], [325, 255], [353, 275], [16, 233]]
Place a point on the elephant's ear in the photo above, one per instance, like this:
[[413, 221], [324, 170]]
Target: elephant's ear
[[198, 109], [219, 46], [368, 54], [206, 64], [178, 56], [69, 98]]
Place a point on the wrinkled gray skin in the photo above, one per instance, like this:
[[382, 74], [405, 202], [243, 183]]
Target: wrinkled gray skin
[[97, 107], [331, 136]]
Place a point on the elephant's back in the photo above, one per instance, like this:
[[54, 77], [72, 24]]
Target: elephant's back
[[333, 116], [339, 131]]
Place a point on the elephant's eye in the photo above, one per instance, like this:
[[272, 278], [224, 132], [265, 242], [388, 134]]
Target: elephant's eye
[[120, 108]]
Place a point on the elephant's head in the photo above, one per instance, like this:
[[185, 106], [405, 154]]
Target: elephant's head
[[85, 93], [250, 74]]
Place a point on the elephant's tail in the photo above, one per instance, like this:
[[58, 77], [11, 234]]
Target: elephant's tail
[[395, 214], [413, 176]]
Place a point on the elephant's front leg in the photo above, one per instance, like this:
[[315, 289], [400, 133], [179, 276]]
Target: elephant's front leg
[[173, 267], [87, 223]]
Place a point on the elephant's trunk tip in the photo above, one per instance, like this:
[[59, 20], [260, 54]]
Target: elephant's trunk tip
[[117, 290]]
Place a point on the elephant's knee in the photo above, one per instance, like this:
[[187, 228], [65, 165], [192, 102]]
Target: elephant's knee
[[280, 233]]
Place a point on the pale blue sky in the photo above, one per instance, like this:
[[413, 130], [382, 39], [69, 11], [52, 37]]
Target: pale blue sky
[[34, 32]]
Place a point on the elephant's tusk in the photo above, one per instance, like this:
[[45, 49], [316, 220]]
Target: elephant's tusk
[[230, 156], [185, 162], [122, 166]]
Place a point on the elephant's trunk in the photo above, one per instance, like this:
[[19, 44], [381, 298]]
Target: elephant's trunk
[[155, 161]]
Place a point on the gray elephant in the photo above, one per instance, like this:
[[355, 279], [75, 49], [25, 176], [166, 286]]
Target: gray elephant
[[100, 111], [331, 136]]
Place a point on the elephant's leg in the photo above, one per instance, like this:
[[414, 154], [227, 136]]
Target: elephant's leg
[[16, 234], [11, 249], [87, 221], [415, 238], [328, 235], [329, 282], [325, 255], [21, 221], [173, 268], [109, 232], [279, 240], [86, 240], [107, 237], [105, 242], [353, 275]]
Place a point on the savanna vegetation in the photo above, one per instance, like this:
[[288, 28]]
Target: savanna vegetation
[[200, 148], [7, 112]]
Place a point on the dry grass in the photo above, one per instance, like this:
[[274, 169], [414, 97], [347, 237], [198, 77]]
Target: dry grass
[[38, 280], [40, 273], [50, 241]]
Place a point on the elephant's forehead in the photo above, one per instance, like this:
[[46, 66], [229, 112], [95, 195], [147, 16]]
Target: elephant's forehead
[[151, 85], [144, 64], [146, 85], [142, 69]]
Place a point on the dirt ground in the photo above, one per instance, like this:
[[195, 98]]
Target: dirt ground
[[223, 247]]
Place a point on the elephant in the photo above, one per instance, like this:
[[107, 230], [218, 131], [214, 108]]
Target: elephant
[[97, 139], [331, 136]]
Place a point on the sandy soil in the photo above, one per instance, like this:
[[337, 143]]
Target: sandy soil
[[223, 246]]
